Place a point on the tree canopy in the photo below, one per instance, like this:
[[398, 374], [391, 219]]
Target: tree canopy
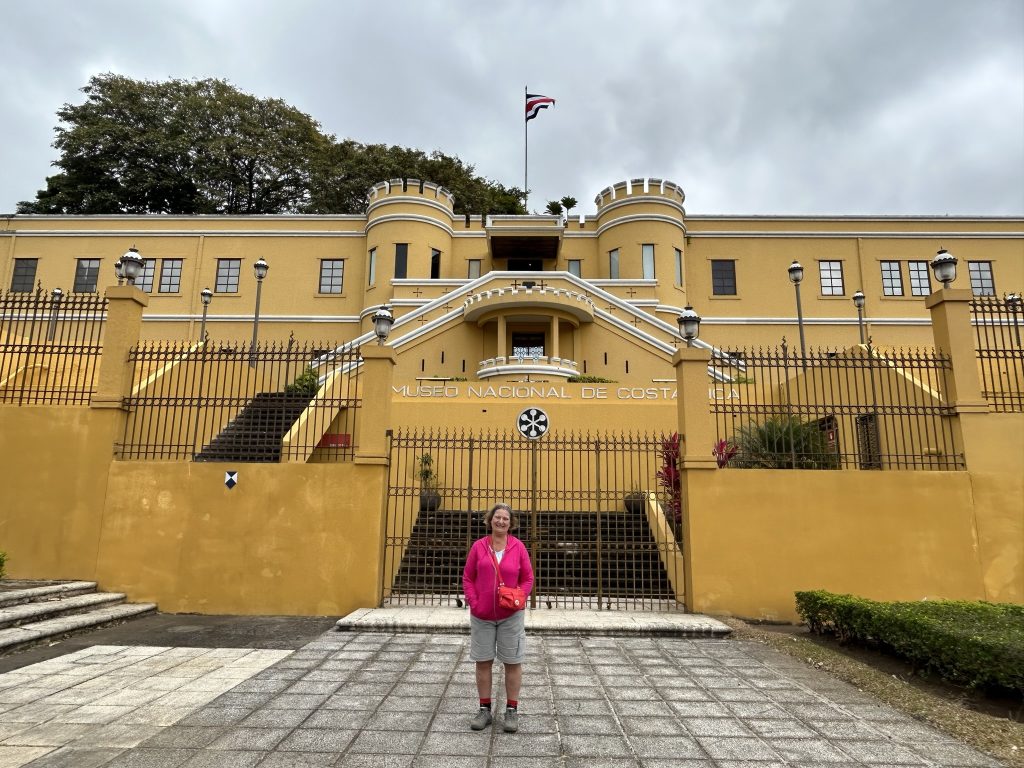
[[203, 146]]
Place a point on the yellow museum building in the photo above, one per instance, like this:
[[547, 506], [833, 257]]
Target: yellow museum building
[[503, 325]]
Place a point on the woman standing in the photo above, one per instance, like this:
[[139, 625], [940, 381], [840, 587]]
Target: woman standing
[[497, 632]]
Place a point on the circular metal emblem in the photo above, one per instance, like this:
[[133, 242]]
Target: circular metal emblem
[[532, 423]]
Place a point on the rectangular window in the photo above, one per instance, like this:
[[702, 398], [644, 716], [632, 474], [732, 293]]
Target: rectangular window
[[527, 345], [401, 260], [831, 276], [982, 283], [435, 264], [86, 274], [647, 258], [474, 269], [371, 268], [613, 264], [227, 275], [24, 277], [575, 267], [170, 275], [892, 278], [920, 278], [723, 277], [144, 282], [679, 267], [332, 275]]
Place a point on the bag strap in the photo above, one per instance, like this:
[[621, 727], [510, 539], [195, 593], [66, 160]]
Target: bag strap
[[497, 568]]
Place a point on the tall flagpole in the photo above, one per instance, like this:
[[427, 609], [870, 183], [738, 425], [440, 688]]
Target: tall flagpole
[[526, 154]]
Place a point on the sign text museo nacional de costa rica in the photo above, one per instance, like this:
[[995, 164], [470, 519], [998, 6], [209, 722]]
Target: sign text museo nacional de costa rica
[[549, 392]]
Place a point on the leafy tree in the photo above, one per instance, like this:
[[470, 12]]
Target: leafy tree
[[203, 146], [568, 203], [554, 208]]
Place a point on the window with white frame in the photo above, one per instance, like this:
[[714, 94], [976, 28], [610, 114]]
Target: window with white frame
[[170, 276], [982, 283], [87, 272], [144, 282], [24, 277], [227, 275], [575, 267], [892, 278], [613, 264], [830, 274], [647, 258], [920, 278], [473, 272], [332, 275]]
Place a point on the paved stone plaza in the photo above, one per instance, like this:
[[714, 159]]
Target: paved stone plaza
[[376, 698]]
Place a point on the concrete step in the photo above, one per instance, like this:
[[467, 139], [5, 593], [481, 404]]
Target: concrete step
[[35, 632], [51, 607], [11, 597]]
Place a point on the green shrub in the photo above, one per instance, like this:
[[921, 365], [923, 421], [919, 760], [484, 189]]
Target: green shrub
[[305, 385], [977, 644], [783, 442], [588, 379], [3, 564]]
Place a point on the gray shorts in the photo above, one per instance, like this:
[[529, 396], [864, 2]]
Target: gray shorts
[[504, 640]]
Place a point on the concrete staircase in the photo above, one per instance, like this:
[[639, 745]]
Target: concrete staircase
[[254, 435], [33, 612]]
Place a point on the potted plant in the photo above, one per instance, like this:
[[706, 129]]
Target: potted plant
[[430, 498], [634, 501]]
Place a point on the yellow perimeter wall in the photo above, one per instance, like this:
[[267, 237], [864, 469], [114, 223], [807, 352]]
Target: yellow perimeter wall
[[305, 539]]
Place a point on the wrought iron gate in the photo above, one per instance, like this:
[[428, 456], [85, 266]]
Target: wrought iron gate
[[591, 511]]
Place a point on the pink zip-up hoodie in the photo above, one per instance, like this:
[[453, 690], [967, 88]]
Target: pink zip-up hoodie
[[480, 582]]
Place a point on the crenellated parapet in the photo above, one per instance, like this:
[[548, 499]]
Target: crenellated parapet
[[411, 188], [640, 190]]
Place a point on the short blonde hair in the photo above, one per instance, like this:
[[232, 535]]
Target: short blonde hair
[[513, 517]]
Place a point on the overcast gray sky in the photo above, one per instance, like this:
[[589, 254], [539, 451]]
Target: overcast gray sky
[[781, 106]]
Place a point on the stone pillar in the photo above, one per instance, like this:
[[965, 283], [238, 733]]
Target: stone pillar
[[554, 338], [951, 325], [375, 410], [121, 332], [500, 349], [696, 425]]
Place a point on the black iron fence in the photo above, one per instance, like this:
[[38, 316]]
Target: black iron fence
[[592, 511], [858, 408], [998, 328], [218, 401], [50, 346]]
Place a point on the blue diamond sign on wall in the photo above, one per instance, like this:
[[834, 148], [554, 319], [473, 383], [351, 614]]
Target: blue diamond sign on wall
[[231, 479], [532, 423]]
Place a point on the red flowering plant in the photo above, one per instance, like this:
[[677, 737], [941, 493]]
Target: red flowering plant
[[668, 479], [723, 451]]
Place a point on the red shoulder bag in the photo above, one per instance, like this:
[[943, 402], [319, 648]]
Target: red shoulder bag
[[511, 598]]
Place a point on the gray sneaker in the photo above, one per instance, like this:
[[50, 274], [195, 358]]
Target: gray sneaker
[[482, 719], [511, 721]]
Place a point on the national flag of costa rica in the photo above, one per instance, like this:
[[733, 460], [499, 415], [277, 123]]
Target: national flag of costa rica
[[535, 103]]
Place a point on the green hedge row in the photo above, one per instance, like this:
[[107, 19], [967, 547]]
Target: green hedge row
[[970, 643]]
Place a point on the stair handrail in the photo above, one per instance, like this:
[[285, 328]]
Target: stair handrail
[[298, 444]]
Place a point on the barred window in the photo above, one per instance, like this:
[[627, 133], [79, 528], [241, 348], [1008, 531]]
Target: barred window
[[982, 283], [473, 270], [892, 278], [613, 264], [87, 272], [144, 282], [831, 275], [332, 275], [170, 276], [647, 251], [24, 276], [723, 277], [920, 278], [227, 275]]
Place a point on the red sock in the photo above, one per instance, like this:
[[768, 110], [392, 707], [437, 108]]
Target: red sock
[[485, 704], [512, 704]]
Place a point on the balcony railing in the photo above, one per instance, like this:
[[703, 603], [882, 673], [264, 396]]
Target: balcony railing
[[527, 365]]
